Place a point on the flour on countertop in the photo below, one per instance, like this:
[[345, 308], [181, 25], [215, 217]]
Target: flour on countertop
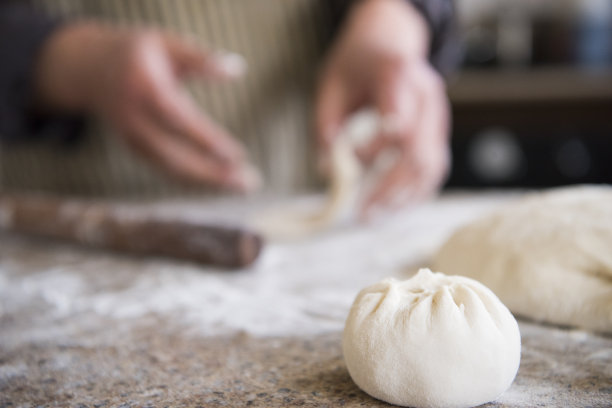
[[58, 302], [302, 287]]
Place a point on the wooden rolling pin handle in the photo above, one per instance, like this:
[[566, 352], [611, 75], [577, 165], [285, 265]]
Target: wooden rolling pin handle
[[104, 227]]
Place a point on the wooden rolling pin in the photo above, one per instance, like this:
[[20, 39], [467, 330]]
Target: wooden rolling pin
[[105, 226]]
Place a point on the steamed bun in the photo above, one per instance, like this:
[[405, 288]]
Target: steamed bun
[[431, 341]]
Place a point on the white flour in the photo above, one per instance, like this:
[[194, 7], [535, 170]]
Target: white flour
[[296, 288]]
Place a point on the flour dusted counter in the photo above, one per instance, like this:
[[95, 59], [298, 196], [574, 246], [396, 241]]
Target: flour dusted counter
[[80, 327], [158, 366]]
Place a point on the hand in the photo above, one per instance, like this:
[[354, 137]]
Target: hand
[[380, 61], [132, 79]]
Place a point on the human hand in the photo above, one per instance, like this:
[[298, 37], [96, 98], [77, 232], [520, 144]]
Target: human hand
[[133, 80], [380, 60]]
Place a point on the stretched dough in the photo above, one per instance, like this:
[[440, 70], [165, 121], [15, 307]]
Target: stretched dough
[[548, 257], [343, 196]]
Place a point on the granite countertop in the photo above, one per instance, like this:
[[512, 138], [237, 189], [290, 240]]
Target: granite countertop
[[82, 328]]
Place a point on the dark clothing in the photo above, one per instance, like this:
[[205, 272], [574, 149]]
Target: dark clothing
[[444, 47], [23, 33], [440, 17]]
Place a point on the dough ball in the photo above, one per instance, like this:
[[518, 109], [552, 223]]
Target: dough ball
[[431, 341], [548, 256]]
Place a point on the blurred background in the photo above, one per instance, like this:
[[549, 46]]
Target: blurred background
[[532, 102]]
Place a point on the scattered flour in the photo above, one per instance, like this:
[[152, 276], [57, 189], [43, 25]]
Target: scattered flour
[[301, 287]]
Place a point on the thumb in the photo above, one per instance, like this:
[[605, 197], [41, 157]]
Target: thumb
[[397, 100], [190, 60]]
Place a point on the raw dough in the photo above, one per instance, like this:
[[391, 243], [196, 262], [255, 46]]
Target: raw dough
[[348, 181], [548, 257], [431, 341], [341, 200]]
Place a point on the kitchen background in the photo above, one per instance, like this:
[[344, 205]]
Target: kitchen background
[[532, 103]]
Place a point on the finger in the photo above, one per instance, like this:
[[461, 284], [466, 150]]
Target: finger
[[180, 159], [397, 102], [431, 150], [177, 110], [426, 161], [220, 65], [190, 59], [396, 99]]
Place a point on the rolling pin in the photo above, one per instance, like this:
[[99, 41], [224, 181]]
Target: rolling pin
[[104, 226]]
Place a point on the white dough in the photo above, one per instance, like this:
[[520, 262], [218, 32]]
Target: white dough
[[341, 200], [548, 256], [348, 180], [431, 341]]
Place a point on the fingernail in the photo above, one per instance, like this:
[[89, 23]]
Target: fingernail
[[232, 64]]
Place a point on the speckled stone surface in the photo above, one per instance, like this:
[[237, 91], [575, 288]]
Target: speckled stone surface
[[81, 328], [155, 365]]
